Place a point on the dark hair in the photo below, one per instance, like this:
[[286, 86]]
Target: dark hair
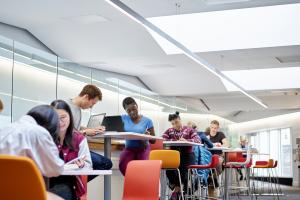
[[68, 141], [1, 105], [215, 122], [128, 101], [174, 116], [46, 117], [92, 91]]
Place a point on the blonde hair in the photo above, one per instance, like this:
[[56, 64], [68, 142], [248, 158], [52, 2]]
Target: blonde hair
[[192, 124], [216, 122]]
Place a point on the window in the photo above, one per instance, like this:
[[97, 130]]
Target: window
[[276, 143]]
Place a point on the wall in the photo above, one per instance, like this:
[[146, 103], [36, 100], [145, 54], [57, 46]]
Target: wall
[[282, 121]]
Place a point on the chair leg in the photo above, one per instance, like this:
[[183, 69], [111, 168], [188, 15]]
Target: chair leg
[[181, 187], [212, 177]]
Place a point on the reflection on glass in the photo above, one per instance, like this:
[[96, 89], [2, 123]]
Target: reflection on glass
[[110, 94], [6, 65], [34, 79], [71, 79]]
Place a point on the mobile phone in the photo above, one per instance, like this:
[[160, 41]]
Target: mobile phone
[[75, 159]]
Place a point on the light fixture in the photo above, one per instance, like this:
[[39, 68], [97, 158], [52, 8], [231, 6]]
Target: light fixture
[[144, 22]]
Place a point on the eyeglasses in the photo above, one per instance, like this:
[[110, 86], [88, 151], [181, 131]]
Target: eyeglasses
[[63, 118]]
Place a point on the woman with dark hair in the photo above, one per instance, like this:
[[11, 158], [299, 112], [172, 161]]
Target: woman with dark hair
[[178, 132], [134, 122], [71, 144], [29, 136]]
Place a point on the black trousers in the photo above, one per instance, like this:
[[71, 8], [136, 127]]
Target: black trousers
[[186, 159]]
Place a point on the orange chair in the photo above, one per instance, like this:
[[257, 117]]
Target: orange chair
[[170, 161], [84, 181], [142, 180], [20, 179], [267, 175]]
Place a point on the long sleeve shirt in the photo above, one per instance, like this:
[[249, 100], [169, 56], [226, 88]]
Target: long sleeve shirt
[[26, 138], [185, 132]]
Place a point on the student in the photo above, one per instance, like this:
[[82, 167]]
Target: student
[[134, 122], [216, 137], [88, 97], [202, 135], [30, 137], [219, 140], [71, 144], [181, 133]]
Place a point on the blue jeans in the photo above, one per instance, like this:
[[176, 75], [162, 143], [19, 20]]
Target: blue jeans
[[99, 163]]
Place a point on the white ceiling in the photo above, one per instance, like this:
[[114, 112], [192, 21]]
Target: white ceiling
[[93, 33], [155, 8]]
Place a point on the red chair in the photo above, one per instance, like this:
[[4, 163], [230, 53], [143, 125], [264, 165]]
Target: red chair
[[142, 180], [211, 166], [158, 145], [84, 181]]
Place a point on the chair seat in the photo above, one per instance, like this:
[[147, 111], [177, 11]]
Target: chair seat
[[199, 166], [261, 166]]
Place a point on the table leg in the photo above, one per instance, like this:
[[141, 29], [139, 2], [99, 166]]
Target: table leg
[[226, 171], [107, 179]]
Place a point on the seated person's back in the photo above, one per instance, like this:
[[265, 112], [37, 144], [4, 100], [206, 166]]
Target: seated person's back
[[30, 137]]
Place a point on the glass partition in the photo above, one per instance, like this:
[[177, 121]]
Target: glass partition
[[6, 72], [34, 79], [71, 78], [31, 77]]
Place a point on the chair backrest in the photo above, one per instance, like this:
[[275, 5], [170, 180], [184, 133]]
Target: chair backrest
[[270, 163], [142, 180], [275, 164], [170, 158], [232, 157], [214, 161], [158, 145], [261, 162], [20, 179]]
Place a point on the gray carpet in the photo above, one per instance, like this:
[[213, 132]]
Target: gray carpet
[[290, 193]]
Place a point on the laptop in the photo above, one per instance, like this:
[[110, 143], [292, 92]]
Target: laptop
[[113, 123], [96, 120]]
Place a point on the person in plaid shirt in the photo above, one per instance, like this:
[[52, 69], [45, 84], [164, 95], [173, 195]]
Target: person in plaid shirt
[[178, 132]]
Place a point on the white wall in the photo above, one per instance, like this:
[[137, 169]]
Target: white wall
[[282, 121]]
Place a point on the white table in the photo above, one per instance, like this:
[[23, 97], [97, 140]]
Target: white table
[[107, 136], [219, 148], [83, 171], [181, 143]]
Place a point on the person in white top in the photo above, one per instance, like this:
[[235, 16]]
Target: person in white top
[[30, 137]]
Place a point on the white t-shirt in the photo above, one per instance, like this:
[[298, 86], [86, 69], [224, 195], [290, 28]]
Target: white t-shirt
[[76, 112], [26, 138]]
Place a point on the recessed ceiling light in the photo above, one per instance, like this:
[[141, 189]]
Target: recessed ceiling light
[[264, 79]]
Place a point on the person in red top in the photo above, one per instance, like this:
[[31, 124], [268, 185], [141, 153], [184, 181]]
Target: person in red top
[[71, 144], [181, 133]]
